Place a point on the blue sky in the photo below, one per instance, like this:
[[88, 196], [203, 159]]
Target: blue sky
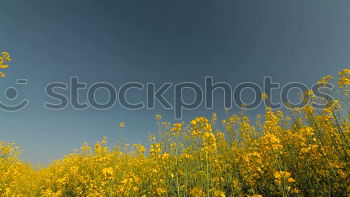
[[154, 41]]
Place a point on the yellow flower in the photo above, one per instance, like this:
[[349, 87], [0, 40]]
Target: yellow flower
[[219, 193], [197, 192], [325, 80], [107, 171], [5, 54], [3, 59], [265, 96], [158, 116]]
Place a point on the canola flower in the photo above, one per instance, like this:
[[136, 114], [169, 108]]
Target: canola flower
[[121, 124], [4, 59], [302, 153]]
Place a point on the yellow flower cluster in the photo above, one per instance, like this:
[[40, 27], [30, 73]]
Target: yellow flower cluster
[[344, 80], [4, 59], [304, 153]]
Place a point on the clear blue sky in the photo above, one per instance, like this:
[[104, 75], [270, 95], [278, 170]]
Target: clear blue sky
[[155, 41]]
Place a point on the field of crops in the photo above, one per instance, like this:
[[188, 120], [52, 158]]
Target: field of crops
[[300, 152]]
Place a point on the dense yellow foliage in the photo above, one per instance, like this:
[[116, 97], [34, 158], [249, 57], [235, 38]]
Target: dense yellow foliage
[[309, 156], [304, 153]]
